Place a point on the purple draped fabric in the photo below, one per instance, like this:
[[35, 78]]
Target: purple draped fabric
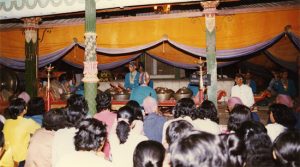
[[295, 39], [285, 64], [107, 66], [43, 61], [221, 54], [187, 66]]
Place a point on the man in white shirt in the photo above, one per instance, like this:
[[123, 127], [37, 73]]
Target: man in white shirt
[[242, 91]]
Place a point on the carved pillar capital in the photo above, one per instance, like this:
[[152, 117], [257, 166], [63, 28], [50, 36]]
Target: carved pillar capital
[[31, 25], [210, 7]]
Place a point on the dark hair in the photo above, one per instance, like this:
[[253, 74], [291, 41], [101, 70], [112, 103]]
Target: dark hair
[[1, 125], [257, 144], [199, 149], [90, 136], [177, 129], [125, 117], [36, 106], [140, 64], [16, 107], [137, 109], [54, 119], [77, 101], [149, 154], [209, 111], [238, 115], [103, 101], [239, 75], [1, 139], [185, 107], [234, 149], [283, 115], [287, 148]]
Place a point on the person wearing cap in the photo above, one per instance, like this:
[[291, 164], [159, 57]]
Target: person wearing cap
[[132, 78], [242, 91], [141, 92]]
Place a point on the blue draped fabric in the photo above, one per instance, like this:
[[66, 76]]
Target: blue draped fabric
[[295, 39], [287, 65], [221, 54]]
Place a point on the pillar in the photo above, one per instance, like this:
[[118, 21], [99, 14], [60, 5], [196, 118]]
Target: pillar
[[210, 28], [90, 71], [31, 54]]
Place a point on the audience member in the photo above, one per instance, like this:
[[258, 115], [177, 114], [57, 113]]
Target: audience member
[[36, 109], [76, 111], [149, 153], [40, 147], [17, 130], [235, 149], [257, 144], [88, 142], [105, 115], [286, 149], [237, 116], [199, 149], [282, 118], [154, 121], [6, 157], [125, 139]]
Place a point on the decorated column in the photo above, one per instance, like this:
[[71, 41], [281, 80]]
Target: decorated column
[[31, 60], [210, 23], [90, 71]]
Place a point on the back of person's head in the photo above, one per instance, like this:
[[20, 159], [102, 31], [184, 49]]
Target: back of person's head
[[103, 101], [16, 107], [185, 107], [1, 125], [199, 149], [137, 109], [232, 101], [54, 119], [283, 115], [125, 118], [177, 129], [257, 144], [235, 149], [149, 154], [209, 111], [150, 105], [36, 106], [285, 99], [77, 101], [286, 149], [90, 136], [238, 115]]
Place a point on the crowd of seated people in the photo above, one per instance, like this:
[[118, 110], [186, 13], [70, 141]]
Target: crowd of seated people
[[139, 135]]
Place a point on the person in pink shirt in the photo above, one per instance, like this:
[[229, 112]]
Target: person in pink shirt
[[104, 114]]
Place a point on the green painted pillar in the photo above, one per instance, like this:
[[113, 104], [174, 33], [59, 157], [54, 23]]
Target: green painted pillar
[[31, 50], [90, 71], [210, 24]]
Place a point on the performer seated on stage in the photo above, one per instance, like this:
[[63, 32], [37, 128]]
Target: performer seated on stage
[[250, 82], [242, 91], [287, 86], [132, 78], [141, 92], [141, 69]]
